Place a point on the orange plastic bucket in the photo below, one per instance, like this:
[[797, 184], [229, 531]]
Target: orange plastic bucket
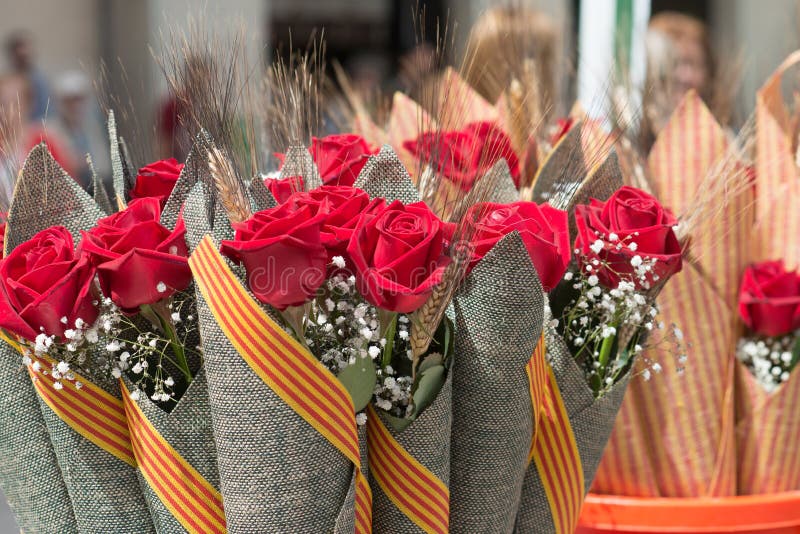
[[777, 513]]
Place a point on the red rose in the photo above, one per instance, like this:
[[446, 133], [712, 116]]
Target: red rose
[[562, 126], [282, 252], [282, 188], [543, 229], [642, 228], [769, 299], [44, 281], [138, 260], [157, 180], [399, 255], [463, 156], [339, 157]]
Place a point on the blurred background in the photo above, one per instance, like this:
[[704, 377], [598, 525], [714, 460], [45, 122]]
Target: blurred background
[[58, 57]]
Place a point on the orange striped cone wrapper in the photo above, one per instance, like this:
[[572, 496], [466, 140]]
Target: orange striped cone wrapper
[[87, 427], [288, 448], [499, 312], [572, 431], [768, 423], [30, 476], [674, 434]]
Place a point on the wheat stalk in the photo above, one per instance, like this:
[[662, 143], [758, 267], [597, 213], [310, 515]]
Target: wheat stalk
[[230, 188]]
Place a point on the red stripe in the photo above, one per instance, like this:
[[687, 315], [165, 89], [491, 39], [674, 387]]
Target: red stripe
[[432, 490], [567, 481], [386, 448], [164, 492], [257, 357], [553, 475], [277, 379], [169, 463], [78, 423]]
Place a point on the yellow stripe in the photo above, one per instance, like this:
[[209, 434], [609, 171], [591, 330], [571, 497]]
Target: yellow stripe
[[140, 426], [209, 267]]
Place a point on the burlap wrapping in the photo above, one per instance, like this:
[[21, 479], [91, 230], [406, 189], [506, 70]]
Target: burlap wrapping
[[103, 489], [384, 176], [564, 169], [277, 474], [298, 162], [120, 163], [428, 440], [99, 192], [592, 421], [499, 312], [503, 191], [674, 436], [30, 477], [261, 197], [187, 428]]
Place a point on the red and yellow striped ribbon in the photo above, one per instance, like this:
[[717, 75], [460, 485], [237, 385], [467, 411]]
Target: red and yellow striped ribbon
[[190, 498], [555, 452], [90, 411], [283, 364], [416, 492]]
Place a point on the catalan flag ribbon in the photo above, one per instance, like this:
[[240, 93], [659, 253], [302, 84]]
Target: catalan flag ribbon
[[419, 494], [289, 370], [554, 451], [190, 498]]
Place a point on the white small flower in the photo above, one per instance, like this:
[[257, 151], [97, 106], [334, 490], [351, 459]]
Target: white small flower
[[137, 368], [646, 374], [63, 367], [656, 367], [176, 317], [116, 372], [153, 342], [36, 366], [64, 320], [78, 385], [58, 385], [593, 280], [374, 352], [597, 246], [568, 276], [135, 395], [124, 356], [338, 261], [678, 334], [164, 397], [161, 287], [636, 261], [113, 346], [613, 237], [79, 323], [403, 334], [361, 419], [633, 246], [169, 382]]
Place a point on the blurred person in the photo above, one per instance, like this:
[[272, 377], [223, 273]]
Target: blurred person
[[501, 42], [679, 58], [21, 58], [77, 124]]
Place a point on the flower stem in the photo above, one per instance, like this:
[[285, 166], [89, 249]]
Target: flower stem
[[605, 353], [162, 313]]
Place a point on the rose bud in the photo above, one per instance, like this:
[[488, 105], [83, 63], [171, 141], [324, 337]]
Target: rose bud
[[339, 157], [544, 231], [622, 232], [46, 286], [398, 253], [463, 156], [769, 299], [282, 251], [138, 260], [157, 180]]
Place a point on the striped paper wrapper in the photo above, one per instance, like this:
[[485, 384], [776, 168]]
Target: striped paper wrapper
[[551, 502], [100, 474], [768, 423], [499, 313], [30, 477], [407, 121], [674, 434]]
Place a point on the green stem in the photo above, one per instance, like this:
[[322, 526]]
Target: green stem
[[388, 325], [605, 354], [161, 312]]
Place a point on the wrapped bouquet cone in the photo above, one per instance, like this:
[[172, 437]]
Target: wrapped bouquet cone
[[767, 423], [574, 426], [287, 445], [414, 460], [499, 313], [30, 476], [674, 434], [87, 427]]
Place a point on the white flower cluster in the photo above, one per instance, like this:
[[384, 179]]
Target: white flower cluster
[[770, 360], [341, 327]]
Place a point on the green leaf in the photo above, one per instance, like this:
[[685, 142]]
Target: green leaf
[[429, 361], [359, 380], [398, 423], [427, 387], [389, 334]]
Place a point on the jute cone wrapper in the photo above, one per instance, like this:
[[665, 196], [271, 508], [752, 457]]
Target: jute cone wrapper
[[30, 477], [499, 312], [459, 104], [103, 489], [277, 473], [120, 165], [768, 423], [428, 440], [591, 421], [674, 434]]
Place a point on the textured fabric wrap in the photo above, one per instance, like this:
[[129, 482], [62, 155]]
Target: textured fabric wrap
[[499, 312], [384, 176], [592, 421], [30, 477]]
